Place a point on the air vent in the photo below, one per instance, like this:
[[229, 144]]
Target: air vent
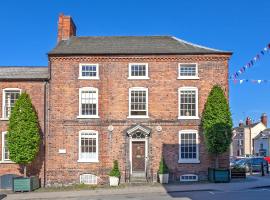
[[188, 177], [89, 179]]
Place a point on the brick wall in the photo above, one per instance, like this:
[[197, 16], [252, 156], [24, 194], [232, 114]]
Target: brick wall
[[36, 90], [113, 88]]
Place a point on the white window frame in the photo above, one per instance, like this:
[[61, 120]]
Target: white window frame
[[129, 104], [97, 147], [138, 77], [3, 146], [188, 77], [89, 77], [188, 160], [80, 116], [4, 100], [197, 102]]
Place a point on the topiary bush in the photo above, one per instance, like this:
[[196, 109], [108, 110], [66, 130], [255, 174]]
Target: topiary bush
[[163, 168], [115, 170], [217, 123], [23, 137]]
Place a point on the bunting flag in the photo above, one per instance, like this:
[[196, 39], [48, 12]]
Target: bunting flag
[[241, 81], [251, 62]]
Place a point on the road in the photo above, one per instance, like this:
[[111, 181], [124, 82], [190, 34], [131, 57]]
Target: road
[[253, 194]]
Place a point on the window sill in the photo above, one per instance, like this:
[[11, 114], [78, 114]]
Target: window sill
[[7, 162], [138, 78], [188, 78], [88, 161], [137, 117], [88, 78], [188, 117], [189, 161], [4, 119], [87, 117]]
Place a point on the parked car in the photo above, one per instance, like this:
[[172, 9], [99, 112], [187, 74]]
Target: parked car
[[254, 163]]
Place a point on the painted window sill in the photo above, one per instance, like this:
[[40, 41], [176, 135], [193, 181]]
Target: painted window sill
[[7, 162], [189, 161], [138, 117], [4, 119], [138, 78], [188, 78], [88, 161], [87, 117], [88, 78], [188, 118]]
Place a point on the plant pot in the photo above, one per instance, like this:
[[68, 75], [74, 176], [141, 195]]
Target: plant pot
[[163, 178], [114, 181], [219, 175], [25, 184]]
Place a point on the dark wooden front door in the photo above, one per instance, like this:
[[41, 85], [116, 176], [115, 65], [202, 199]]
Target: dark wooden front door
[[138, 156]]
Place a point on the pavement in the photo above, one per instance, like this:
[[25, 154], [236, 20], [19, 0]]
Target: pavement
[[251, 182]]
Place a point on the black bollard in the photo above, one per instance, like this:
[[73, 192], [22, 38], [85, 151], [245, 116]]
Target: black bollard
[[262, 168], [267, 167]]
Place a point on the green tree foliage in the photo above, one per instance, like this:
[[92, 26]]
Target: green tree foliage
[[23, 136], [163, 168], [115, 170], [217, 123]]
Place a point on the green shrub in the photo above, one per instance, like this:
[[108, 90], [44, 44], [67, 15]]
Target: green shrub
[[23, 136], [163, 168], [115, 170]]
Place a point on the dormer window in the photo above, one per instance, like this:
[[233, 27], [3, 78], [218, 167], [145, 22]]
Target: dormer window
[[89, 71], [138, 71], [188, 71]]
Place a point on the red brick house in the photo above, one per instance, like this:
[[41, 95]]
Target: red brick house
[[133, 99]]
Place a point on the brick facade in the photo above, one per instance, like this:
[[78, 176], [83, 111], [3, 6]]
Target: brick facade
[[57, 103], [37, 91], [113, 88]]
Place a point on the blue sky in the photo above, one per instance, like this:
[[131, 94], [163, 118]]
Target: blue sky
[[29, 28]]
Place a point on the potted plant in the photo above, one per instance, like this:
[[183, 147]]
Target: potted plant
[[217, 128], [163, 172], [114, 174], [23, 140]]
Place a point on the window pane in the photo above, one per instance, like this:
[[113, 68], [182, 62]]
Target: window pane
[[10, 98], [88, 146], [138, 70], [89, 70], [188, 146], [187, 103], [89, 99], [187, 70], [138, 102]]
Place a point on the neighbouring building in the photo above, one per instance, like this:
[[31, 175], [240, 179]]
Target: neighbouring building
[[262, 143], [244, 135], [134, 99]]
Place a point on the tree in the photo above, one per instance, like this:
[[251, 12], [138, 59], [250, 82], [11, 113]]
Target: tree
[[23, 137], [217, 123]]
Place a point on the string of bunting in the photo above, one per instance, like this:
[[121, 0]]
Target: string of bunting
[[241, 81], [251, 63]]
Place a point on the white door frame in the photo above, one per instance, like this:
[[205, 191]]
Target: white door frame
[[145, 140]]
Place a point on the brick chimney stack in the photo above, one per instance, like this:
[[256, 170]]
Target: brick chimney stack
[[264, 119], [66, 28], [248, 121]]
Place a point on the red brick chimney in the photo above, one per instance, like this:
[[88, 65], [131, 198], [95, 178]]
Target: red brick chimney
[[264, 119], [66, 27], [248, 121]]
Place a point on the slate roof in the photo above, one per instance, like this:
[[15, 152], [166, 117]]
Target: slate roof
[[240, 129], [24, 73], [128, 45]]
